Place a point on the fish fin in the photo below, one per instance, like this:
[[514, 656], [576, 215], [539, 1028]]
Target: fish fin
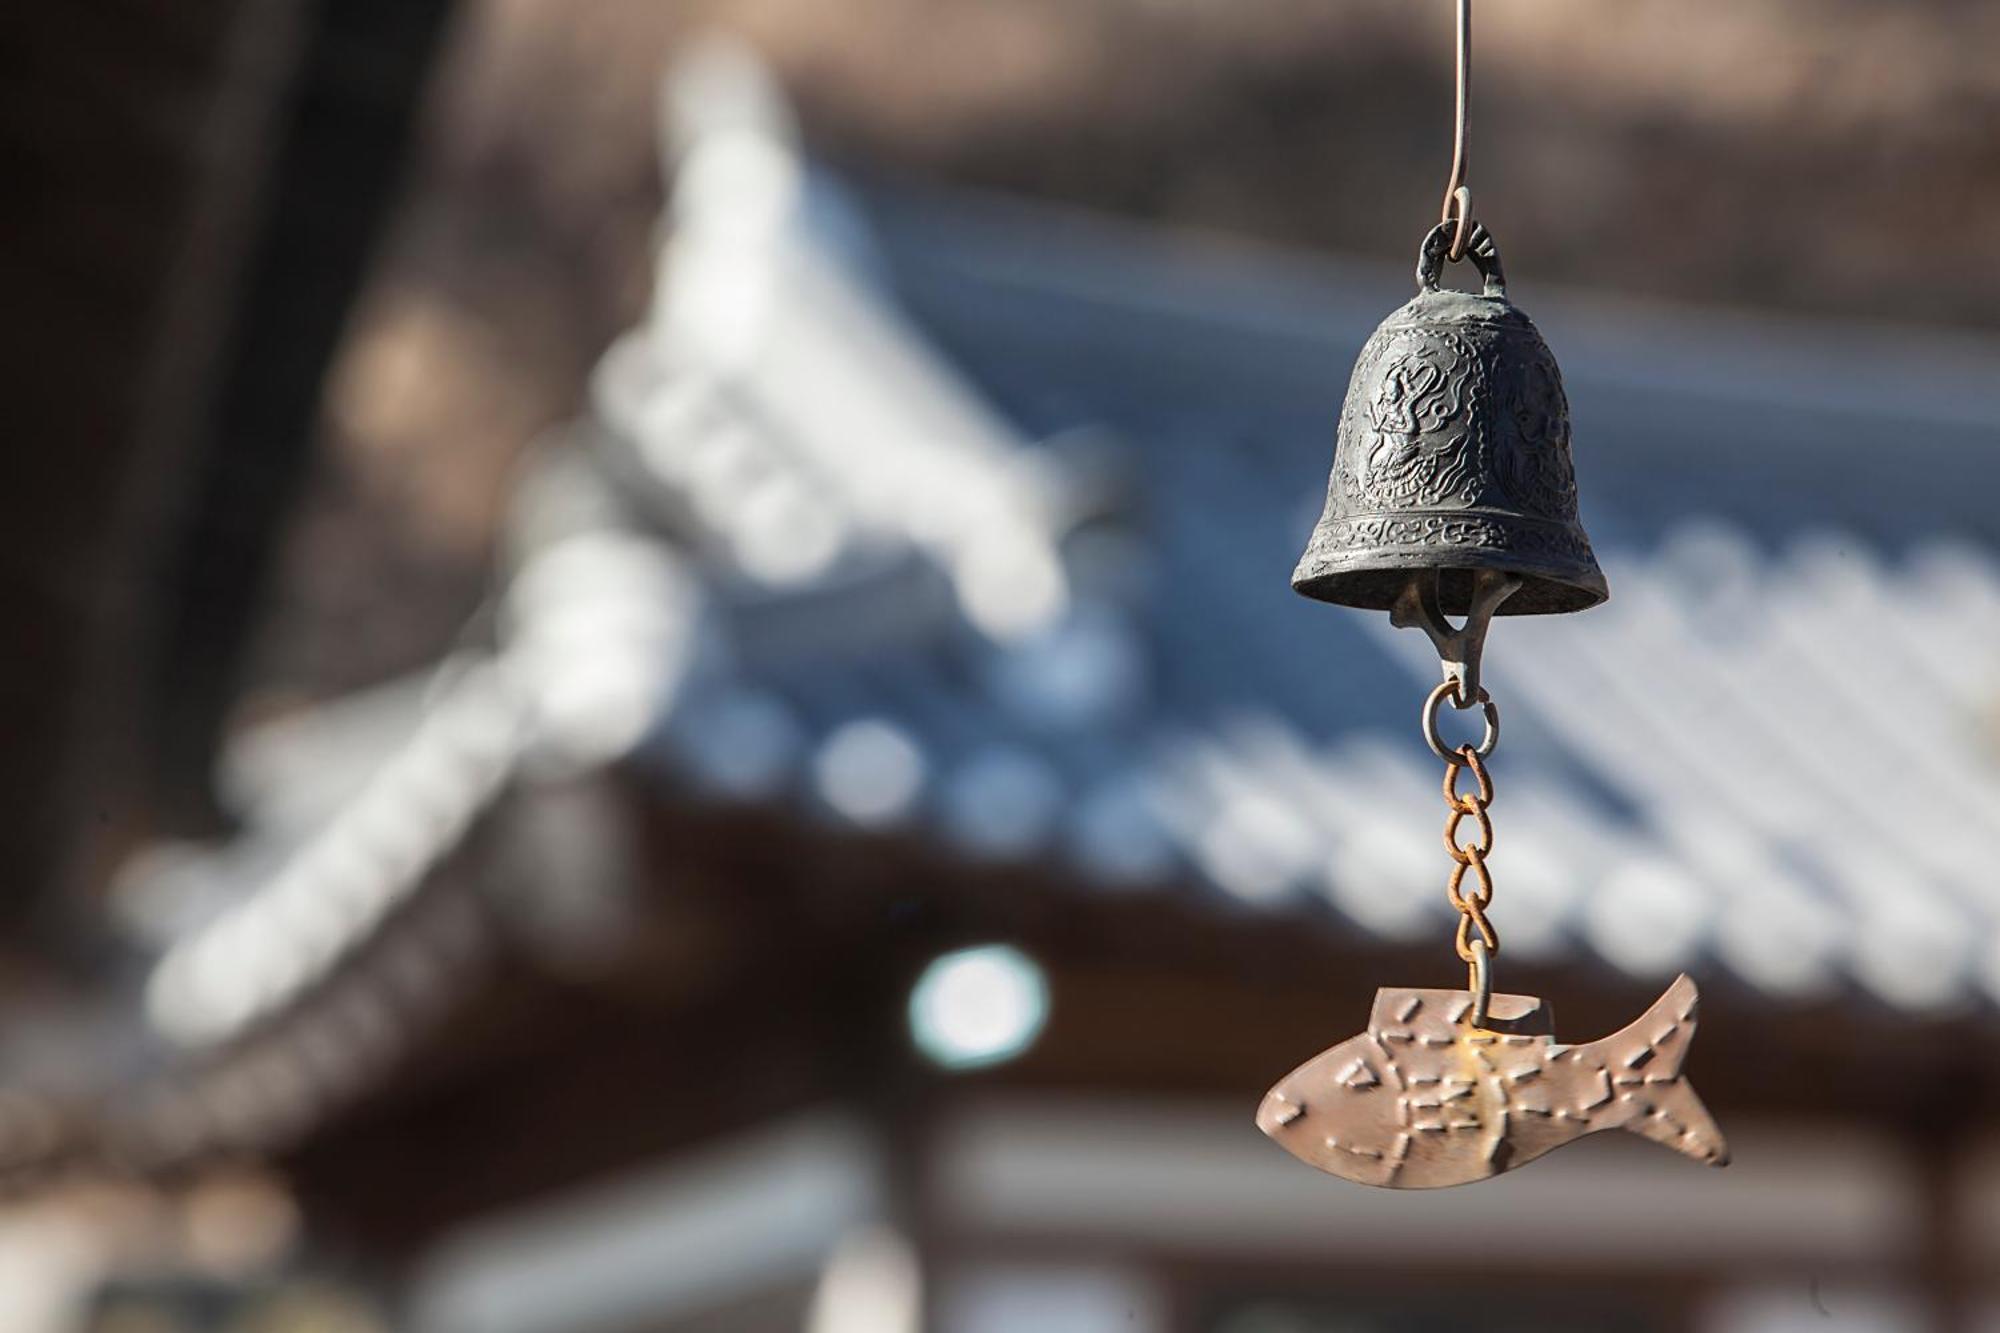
[[1642, 1064], [1654, 1046]]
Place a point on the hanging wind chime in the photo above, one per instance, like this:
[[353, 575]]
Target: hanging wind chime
[[1452, 493]]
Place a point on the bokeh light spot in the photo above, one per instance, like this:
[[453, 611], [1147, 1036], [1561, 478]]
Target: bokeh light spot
[[979, 1007]]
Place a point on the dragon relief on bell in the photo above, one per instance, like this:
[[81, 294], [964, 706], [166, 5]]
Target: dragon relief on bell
[[1532, 462], [1411, 435], [1439, 419]]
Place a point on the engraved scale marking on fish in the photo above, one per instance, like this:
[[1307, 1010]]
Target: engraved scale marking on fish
[[1373, 1154], [1448, 1103]]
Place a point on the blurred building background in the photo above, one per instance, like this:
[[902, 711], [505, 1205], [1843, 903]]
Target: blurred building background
[[653, 685]]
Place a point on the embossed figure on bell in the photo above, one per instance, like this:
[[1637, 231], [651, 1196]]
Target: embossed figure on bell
[[1424, 1099], [1453, 457]]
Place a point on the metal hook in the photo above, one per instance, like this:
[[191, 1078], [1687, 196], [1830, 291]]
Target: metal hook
[[1457, 197], [1479, 980], [1458, 216], [1459, 648]]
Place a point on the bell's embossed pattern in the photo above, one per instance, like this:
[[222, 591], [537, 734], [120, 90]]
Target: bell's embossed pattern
[[1453, 456], [1425, 1098]]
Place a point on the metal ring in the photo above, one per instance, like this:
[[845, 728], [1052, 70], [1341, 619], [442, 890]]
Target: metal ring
[[1479, 980], [1458, 214], [1449, 689]]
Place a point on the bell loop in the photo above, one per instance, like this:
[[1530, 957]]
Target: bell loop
[[1480, 248], [1460, 647]]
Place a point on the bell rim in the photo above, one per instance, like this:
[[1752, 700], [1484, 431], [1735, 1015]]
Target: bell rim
[[1550, 587]]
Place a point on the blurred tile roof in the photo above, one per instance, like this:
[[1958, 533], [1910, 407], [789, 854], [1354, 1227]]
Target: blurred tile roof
[[994, 510]]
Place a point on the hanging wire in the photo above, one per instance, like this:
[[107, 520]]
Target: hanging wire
[[1457, 194]]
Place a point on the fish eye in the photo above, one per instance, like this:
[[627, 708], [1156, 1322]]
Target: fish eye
[[1358, 1075]]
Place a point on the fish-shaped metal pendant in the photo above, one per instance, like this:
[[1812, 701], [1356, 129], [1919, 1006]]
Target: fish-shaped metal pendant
[[1424, 1099]]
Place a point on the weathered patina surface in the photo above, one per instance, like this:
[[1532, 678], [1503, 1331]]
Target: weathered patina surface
[[1424, 1098], [1453, 458]]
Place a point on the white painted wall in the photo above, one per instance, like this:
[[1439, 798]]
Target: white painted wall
[[1807, 1307], [1201, 1179], [1050, 1298], [696, 1233]]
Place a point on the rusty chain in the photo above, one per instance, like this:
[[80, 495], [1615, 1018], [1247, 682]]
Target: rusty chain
[[1471, 901], [1476, 940]]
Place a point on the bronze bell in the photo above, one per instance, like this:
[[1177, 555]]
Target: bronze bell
[[1452, 489]]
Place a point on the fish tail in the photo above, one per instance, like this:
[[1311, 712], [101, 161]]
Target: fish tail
[[1675, 1117], [1643, 1067]]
